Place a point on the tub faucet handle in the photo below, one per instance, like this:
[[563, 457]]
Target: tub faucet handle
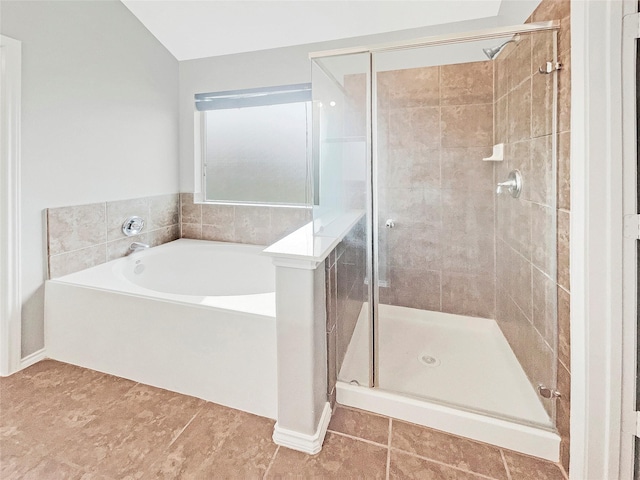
[[137, 246]]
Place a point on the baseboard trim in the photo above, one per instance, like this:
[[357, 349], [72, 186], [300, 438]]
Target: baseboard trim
[[35, 357], [302, 442]]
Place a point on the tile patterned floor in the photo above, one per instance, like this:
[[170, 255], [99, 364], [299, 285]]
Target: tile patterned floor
[[58, 421]]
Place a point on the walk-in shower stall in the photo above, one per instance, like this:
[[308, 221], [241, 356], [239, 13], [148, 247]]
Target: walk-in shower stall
[[447, 296]]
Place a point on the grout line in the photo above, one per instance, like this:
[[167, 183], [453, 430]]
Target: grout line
[[370, 442], [504, 461], [273, 459], [389, 451], [448, 465], [185, 427]]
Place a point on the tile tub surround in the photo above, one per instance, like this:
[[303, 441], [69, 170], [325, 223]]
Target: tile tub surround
[[258, 225], [84, 236], [435, 126], [62, 421]]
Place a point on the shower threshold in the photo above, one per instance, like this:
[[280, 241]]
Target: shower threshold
[[450, 369]]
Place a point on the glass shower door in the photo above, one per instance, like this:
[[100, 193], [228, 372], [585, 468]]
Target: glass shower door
[[342, 139], [467, 276]]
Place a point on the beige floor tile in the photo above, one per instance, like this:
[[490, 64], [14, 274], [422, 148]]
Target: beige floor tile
[[523, 467], [405, 466], [127, 438], [451, 450], [341, 457], [360, 424], [222, 443]]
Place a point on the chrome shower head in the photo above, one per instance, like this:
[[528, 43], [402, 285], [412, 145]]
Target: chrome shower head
[[492, 52]]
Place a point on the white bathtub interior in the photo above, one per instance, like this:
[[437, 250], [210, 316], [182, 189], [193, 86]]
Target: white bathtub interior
[[213, 338]]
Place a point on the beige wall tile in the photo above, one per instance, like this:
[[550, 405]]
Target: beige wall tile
[[564, 170], [466, 83], [564, 330], [541, 49], [464, 253], [543, 238], [164, 211], [517, 224], [71, 262], [471, 213], [544, 305], [414, 87], [414, 246], [163, 235], [551, 10], [467, 126], [472, 295], [463, 169], [224, 233], [410, 168], [220, 215], [519, 62], [119, 211], [415, 288], [541, 186], [191, 230], [519, 113], [501, 85], [564, 35], [500, 121], [415, 128], [189, 212], [564, 92], [73, 228], [253, 225], [410, 205], [541, 104], [563, 249]]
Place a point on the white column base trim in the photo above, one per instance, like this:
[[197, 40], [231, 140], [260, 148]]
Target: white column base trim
[[35, 357], [302, 442]]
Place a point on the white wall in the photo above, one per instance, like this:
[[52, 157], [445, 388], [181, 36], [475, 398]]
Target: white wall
[[99, 120]]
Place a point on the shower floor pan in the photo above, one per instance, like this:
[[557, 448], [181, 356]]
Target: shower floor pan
[[456, 374]]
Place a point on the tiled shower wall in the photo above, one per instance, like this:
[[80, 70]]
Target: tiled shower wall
[[258, 225], [435, 124], [84, 236], [532, 304]]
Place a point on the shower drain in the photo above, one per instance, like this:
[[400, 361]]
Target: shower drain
[[428, 360]]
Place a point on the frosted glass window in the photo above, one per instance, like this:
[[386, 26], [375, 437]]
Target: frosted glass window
[[257, 154]]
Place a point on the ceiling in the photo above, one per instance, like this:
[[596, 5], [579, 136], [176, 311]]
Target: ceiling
[[207, 28]]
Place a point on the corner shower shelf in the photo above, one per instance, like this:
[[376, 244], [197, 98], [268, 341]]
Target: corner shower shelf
[[497, 155]]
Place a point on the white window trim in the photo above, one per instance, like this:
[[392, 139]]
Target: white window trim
[[10, 291]]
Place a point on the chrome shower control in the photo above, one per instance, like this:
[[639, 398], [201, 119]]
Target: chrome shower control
[[132, 226], [390, 223], [513, 184]]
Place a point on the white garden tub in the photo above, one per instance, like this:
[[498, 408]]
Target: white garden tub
[[191, 316]]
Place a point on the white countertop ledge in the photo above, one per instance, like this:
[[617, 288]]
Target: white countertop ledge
[[303, 249]]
